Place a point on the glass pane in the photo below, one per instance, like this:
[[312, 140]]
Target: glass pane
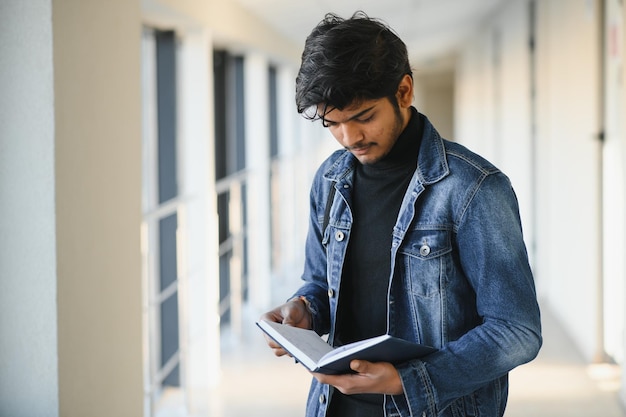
[[169, 328], [273, 112], [166, 114], [225, 286], [167, 250], [240, 116], [223, 200], [220, 105], [173, 378], [245, 267]]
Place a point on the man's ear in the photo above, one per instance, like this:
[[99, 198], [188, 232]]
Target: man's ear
[[404, 94]]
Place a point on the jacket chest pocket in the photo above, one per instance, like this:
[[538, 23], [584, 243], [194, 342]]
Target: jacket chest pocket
[[424, 260]]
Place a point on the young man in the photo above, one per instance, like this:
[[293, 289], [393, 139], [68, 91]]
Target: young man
[[421, 240]]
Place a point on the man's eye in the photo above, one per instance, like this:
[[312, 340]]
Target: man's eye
[[367, 119]]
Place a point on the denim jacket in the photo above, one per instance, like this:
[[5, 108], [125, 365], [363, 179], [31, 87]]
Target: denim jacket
[[460, 280]]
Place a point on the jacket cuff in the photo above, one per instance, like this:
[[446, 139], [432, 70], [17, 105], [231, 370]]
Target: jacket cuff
[[311, 307], [420, 397]]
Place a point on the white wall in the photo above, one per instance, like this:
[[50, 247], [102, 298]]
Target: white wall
[[560, 215], [616, 124], [614, 181], [569, 166], [474, 96], [28, 315], [434, 96], [493, 102]]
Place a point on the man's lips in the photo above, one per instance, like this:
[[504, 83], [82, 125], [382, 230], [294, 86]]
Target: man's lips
[[360, 150]]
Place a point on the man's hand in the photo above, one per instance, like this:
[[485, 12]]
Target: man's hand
[[293, 313], [370, 378]]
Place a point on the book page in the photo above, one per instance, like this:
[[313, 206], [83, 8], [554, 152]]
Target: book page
[[351, 348], [296, 341]]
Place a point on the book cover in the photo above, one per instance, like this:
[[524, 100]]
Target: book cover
[[308, 348]]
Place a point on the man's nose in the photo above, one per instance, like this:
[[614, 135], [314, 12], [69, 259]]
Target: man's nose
[[351, 134]]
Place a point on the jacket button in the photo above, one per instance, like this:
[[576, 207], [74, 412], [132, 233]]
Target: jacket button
[[331, 293], [424, 250], [339, 235], [322, 399]]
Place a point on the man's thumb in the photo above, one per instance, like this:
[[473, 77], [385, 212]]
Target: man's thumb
[[358, 366]]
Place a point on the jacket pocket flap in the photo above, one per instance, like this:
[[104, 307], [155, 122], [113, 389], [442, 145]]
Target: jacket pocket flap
[[427, 243]]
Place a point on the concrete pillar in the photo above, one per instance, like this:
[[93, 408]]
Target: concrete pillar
[[97, 103], [200, 324], [258, 190]]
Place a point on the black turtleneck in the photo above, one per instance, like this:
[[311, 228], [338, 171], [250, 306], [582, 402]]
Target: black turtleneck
[[376, 198]]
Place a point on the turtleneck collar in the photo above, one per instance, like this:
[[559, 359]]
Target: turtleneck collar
[[406, 148]]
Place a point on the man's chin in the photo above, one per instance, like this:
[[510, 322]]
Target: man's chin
[[367, 159]]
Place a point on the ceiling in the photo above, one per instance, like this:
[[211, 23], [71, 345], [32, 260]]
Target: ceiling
[[432, 29]]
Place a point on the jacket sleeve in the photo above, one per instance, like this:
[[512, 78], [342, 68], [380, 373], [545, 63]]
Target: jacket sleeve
[[493, 257]]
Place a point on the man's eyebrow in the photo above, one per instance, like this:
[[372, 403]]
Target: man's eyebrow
[[355, 116]]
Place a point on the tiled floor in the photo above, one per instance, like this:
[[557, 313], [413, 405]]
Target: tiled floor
[[556, 384]]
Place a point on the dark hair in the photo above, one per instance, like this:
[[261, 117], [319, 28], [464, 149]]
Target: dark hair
[[348, 60]]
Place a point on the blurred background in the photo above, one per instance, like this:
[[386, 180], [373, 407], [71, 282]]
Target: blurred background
[[154, 180]]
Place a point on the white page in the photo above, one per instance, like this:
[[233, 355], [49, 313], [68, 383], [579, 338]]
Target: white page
[[299, 342]]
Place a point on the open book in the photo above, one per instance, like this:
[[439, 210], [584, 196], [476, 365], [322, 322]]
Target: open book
[[308, 348]]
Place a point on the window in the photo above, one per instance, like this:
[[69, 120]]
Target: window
[[162, 208], [231, 177]]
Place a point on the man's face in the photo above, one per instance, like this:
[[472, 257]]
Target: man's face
[[370, 128]]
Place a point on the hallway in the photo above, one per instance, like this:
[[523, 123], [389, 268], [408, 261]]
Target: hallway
[[560, 384], [557, 384], [155, 177]]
